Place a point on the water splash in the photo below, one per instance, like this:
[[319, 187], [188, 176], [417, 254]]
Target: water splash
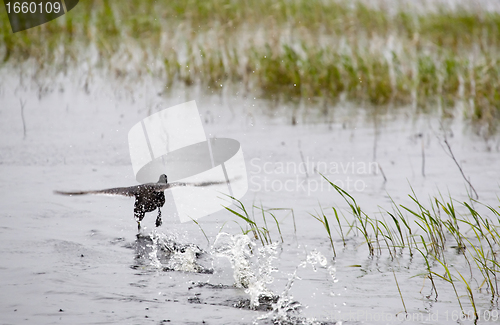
[[315, 258], [164, 252], [239, 249], [186, 261], [252, 270], [286, 310], [153, 254]]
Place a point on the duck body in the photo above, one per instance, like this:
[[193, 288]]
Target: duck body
[[148, 203]]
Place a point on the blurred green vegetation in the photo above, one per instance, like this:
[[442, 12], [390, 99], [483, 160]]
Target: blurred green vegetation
[[285, 49]]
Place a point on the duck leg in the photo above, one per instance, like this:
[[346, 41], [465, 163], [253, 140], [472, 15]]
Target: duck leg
[[139, 214], [158, 219]]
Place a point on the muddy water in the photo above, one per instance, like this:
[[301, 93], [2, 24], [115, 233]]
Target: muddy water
[[80, 260]]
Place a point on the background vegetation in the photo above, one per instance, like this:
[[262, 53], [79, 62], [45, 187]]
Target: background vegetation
[[286, 50]]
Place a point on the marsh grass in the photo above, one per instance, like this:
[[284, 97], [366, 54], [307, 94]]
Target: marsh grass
[[201, 228], [436, 226], [399, 290], [437, 230], [260, 229], [313, 51], [324, 221]]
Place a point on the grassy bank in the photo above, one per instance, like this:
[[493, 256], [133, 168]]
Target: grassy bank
[[320, 51]]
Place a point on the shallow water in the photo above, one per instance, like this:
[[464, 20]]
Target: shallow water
[[78, 259]]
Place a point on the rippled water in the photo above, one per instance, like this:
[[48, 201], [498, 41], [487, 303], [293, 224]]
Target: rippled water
[[80, 259]]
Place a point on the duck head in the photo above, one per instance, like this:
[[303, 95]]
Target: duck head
[[163, 179]]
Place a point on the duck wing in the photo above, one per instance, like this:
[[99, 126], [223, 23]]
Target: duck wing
[[124, 191], [200, 184], [138, 189]]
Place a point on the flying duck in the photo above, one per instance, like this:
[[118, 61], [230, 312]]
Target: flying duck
[[148, 196]]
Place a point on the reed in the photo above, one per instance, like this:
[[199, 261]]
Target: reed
[[254, 228], [436, 225], [399, 290], [448, 278], [340, 225], [359, 215], [201, 228], [324, 221], [471, 297], [311, 51], [260, 230], [428, 267]]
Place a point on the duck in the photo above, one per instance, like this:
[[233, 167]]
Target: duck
[[148, 197]]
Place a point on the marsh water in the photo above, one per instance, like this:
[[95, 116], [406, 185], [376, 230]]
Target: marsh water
[[80, 259]]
